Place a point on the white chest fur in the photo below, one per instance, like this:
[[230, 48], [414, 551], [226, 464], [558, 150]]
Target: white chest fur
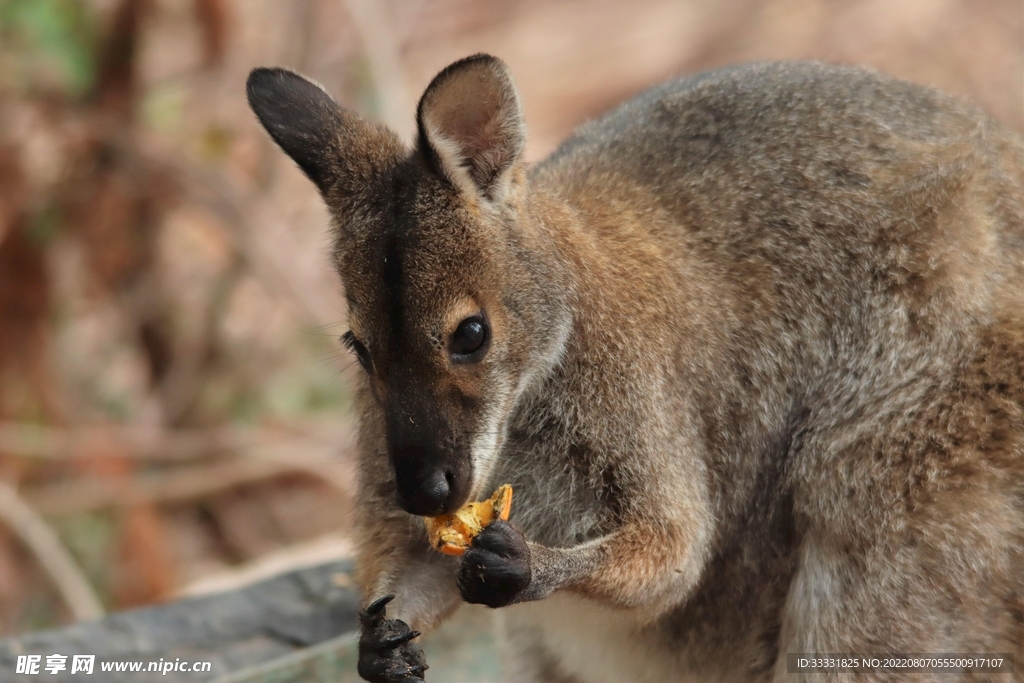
[[588, 641]]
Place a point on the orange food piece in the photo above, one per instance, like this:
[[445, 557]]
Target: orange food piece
[[452, 534]]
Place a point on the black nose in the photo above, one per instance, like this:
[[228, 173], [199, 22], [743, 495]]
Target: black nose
[[424, 495]]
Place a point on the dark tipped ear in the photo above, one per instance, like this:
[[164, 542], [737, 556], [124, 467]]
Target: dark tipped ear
[[328, 142], [471, 125]]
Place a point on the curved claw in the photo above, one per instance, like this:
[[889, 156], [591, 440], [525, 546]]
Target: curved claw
[[401, 672], [376, 607], [392, 641]]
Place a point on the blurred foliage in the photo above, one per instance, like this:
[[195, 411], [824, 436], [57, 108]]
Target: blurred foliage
[[44, 224], [92, 537], [129, 298], [49, 44], [163, 107]]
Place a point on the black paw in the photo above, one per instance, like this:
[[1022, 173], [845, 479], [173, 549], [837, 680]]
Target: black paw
[[386, 651], [495, 570]]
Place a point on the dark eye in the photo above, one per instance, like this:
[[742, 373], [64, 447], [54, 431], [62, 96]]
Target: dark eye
[[469, 341], [357, 347]]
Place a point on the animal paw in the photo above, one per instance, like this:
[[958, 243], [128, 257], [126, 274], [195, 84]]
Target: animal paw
[[386, 651], [495, 570]]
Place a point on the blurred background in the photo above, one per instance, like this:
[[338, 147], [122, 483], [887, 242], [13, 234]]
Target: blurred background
[[174, 405]]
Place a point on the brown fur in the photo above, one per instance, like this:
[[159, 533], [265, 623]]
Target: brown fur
[[757, 369]]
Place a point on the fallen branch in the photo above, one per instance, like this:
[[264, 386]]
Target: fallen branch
[[314, 452], [183, 483], [56, 443], [51, 554], [37, 441], [327, 548]]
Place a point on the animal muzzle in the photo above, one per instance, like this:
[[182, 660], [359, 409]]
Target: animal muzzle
[[430, 486]]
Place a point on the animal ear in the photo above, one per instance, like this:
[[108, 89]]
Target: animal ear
[[471, 125], [329, 143]]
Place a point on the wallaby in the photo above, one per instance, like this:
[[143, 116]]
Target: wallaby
[[749, 349]]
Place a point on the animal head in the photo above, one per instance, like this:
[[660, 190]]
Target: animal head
[[452, 306]]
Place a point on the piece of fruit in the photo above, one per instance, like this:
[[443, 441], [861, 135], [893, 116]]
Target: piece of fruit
[[452, 534]]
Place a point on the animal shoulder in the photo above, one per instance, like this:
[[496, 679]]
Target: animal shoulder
[[766, 123]]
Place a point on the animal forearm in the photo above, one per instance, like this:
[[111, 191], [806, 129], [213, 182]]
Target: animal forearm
[[424, 590], [394, 560], [636, 566]]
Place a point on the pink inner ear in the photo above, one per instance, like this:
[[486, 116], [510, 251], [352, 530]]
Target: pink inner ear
[[467, 111], [474, 134], [474, 111]]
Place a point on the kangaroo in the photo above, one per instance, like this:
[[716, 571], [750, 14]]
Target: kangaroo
[[749, 349]]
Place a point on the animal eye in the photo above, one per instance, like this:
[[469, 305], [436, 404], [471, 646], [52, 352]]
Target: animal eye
[[469, 341], [362, 353]]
